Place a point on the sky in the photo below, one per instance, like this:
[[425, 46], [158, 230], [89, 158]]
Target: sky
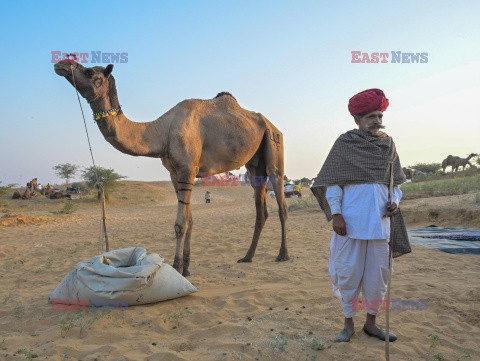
[[290, 61]]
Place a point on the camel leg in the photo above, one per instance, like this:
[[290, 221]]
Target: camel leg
[[186, 248], [283, 214], [262, 212], [184, 181]]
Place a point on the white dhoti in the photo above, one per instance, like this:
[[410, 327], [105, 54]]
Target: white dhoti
[[356, 263]]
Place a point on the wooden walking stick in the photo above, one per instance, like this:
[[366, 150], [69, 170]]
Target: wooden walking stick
[[390, 246]]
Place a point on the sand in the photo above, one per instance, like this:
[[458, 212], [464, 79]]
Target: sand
[[257, 311]]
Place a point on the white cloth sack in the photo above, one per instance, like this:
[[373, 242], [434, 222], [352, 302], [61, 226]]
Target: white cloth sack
[[128, 275]]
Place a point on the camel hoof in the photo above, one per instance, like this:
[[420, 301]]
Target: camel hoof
[[244, 260], [186, 273], [282, 258]]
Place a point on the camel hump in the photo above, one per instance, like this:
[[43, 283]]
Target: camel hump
[[221, 94]]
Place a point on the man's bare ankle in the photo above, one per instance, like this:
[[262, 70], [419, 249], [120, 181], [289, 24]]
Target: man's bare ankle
[[349, 325]]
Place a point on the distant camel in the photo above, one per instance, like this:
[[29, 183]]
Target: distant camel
[[456, 162], [32, 185], [58, 195], [462, 162], [450, 161], [46, 191], [27, 194], [409, 173], [193, 139]]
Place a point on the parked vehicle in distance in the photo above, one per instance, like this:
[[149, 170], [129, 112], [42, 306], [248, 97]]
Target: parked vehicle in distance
[[291, 191]]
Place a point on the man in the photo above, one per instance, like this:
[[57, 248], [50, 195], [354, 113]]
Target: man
[[208, 197], [352, 189]]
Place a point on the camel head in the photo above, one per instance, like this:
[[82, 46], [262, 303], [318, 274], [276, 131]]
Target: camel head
[[472, 155], [92, 83]]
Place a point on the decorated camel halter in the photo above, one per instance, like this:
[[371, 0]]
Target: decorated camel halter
[[72, 58], [106, 113]]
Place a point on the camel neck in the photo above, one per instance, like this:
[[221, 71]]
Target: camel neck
[[138, 139], [101, 105]]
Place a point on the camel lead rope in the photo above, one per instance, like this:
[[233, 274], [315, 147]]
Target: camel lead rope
[[103, 226], [390, 246]]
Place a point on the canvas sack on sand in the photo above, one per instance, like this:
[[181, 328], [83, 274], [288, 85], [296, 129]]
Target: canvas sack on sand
[[128, 275]]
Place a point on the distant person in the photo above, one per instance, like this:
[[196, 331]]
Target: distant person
[[208, 197], [32, 186], [354, 181], [272, 194]]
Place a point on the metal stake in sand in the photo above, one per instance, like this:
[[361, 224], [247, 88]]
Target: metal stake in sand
[[99, 184], [390, 246]]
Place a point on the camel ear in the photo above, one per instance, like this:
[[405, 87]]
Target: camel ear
[[108, 70]]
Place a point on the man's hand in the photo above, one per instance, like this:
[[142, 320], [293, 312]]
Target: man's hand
[[392, 209], [339, 225]]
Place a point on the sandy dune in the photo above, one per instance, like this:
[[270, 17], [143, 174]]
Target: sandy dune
[[259, 311]]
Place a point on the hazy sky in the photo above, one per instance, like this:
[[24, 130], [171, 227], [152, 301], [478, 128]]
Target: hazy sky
[[289, 60]]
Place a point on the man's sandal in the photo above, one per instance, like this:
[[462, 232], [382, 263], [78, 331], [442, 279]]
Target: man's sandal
[[343, 336], [381, 334]]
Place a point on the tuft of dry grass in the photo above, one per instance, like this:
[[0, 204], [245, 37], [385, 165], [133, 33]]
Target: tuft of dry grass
[[307, 202]]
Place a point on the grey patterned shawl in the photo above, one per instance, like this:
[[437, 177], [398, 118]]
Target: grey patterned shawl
[[358, 157]]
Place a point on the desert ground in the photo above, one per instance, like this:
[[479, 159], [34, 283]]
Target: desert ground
[[262, 310]]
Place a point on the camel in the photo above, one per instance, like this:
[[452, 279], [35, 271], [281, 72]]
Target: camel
[[456, 162], [27, 194], [58, 195], [193, 139], [462, 162], [409, 173], [46, 191], [32, 186], [449, 161]]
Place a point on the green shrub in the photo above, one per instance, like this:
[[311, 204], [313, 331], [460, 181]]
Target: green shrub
[[427, 167], [68, 208], [108, 176], [5, 189]]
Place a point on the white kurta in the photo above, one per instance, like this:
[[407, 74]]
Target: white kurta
[[360, 259], [363, 207]]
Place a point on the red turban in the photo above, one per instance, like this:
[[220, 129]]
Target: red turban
[[367, 101]]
